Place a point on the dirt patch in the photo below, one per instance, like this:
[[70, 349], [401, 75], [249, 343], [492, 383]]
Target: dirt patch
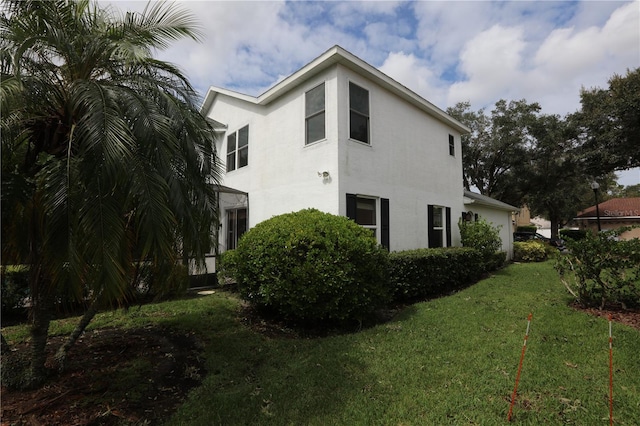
[[113, 377]]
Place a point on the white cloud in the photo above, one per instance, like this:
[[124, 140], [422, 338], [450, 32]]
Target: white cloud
[[445, 51], [493, 63], [416, 75]]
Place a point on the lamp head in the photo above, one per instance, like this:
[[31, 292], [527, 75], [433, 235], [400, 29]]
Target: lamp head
[[595, 186]]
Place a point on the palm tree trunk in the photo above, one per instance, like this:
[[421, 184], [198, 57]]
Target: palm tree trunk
[[63, 351], [4, 344], [41, 308]]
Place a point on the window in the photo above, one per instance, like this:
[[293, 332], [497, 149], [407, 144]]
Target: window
[[365, 212], [314, 115], [452, 146], [238, 149], [236, 226], [358, 113], [439, 229]]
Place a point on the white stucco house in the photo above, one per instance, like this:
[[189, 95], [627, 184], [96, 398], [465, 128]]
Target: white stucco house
[[340, 136]]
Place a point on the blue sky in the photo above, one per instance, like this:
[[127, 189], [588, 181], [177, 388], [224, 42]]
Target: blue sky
[[446, 51]]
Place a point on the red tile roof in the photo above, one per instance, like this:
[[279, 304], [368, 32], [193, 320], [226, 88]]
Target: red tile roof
[[615, 207]]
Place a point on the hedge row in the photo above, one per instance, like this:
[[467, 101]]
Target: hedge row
[[426, 273]]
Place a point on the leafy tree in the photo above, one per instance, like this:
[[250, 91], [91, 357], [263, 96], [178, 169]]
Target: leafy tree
[[497, 146], [554, 181], [609, 121], [630, 191], [107, 162]]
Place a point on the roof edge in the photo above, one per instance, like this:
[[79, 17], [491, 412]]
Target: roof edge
[[488, 201], [337, 55]]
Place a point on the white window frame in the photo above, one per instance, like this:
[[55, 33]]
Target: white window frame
[[235, 136]]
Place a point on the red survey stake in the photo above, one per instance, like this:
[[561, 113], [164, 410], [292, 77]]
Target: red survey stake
[[524, 348]]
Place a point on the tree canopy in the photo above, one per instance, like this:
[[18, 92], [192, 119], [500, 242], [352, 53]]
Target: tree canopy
[[106, 159], [497, 147], [609, 125]]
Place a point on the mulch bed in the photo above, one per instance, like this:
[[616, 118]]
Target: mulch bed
[[99, 387], [618, 314]]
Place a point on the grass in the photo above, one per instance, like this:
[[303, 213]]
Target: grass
[[447, 361]]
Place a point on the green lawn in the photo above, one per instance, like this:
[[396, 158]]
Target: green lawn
[[447, 361]]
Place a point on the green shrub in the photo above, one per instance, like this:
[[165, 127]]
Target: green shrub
[[599, 269], [226, 267], [497, 260], [485, 238], [527, 228], [14, 290], [574, 234], [426, 273], [529, 251], [311, 266]]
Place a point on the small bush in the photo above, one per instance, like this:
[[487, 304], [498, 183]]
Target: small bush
[[14, 290], [226, 267], [529, 251], [573, 234], [497, 260], [311, 266], [426, 273], [527, 228], [485, 238], [599, 269]]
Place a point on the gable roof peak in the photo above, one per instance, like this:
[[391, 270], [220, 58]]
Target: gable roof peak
[[332, 56]]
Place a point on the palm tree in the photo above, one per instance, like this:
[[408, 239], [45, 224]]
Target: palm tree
[[107, 162]]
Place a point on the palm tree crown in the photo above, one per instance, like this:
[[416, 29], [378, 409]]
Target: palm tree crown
[[106, 159]]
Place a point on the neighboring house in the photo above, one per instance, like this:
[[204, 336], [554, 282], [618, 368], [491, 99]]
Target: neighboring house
[[613, 214], [496, 212], [342, 137], [522, 217]]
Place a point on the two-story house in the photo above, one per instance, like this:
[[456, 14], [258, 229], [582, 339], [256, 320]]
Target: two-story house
[[340, 136]]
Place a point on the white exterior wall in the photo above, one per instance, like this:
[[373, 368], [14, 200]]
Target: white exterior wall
[[407, 162], [282, 173], [497, 218]]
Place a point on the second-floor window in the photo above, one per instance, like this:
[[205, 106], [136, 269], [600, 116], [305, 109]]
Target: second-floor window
[[358, 113], [452, 146], [314, 114], [238, 149]]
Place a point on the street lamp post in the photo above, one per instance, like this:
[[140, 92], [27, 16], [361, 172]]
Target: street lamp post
[[595, 187]]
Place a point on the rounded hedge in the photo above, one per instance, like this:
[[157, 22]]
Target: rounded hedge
[[311, 266]]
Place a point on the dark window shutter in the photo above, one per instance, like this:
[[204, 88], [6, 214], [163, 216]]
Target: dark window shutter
[[448, 215], [384, 220], [430, 231], [351, 206]]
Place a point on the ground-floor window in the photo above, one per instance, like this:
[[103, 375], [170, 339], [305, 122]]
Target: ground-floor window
[[439, 228], [236, 226], [372, 213]]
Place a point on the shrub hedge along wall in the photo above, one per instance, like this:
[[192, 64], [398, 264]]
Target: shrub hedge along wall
[[425, 273]]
